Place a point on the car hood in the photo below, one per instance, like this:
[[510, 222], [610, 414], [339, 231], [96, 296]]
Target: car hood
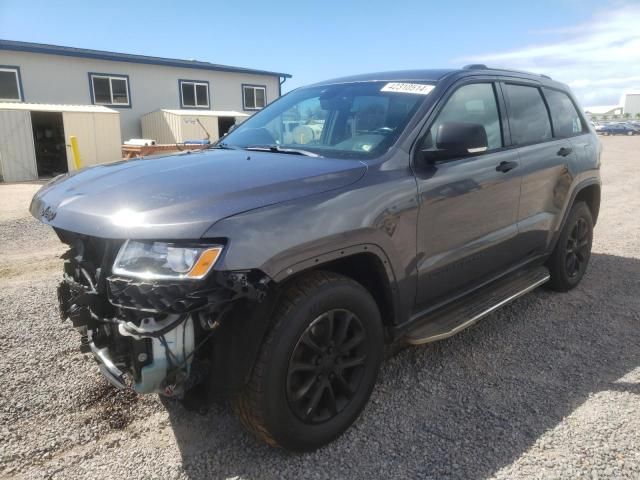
[[181, 196]]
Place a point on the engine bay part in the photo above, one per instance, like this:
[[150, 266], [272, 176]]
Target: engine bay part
[[147, 334]]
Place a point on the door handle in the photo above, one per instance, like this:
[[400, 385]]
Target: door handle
[[564, 151], [504, 167]]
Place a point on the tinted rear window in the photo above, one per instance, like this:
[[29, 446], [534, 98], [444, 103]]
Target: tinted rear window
[[565, 117], [528, 115]]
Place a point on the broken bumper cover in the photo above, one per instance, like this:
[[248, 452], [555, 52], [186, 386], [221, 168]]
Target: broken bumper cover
[[146, 334], [109, 370]]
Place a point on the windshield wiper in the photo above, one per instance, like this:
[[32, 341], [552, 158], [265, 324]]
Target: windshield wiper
[[279, 149], [224, 146]]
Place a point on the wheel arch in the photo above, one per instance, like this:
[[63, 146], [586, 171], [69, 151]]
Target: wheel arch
[[235, 347], [366, 264], [590, 194], [589, 191]]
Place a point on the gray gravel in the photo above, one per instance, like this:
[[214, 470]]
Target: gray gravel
[[548, 387]]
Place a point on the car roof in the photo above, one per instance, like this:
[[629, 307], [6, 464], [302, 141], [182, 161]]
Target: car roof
[[435, 75], [400, 75]]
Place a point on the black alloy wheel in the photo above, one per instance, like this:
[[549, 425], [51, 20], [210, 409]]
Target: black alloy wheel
[[326, 366], [317, 364], [570, 258], [578, 248]]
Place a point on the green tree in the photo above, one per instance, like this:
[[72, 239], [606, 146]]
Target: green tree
[[605, 117], [627, 115], [638, 115]]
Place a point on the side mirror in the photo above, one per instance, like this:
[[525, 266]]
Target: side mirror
[[457, 140]]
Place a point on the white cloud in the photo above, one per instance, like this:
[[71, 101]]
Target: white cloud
[[599, 59]]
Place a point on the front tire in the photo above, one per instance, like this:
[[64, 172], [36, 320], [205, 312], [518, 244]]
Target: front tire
[[569, 260], [317, 366]]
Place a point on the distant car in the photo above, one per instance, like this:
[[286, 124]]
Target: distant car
[[617, 129]]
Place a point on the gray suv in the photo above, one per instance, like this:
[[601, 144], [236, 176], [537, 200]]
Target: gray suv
[[343, 220]]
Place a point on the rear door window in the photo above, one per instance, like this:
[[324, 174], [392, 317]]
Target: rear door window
[[566, 119], [528, 116]]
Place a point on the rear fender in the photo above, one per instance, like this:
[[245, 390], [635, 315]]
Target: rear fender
[[580, 187]]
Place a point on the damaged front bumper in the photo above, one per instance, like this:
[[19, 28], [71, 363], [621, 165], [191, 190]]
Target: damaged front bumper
[[147, 335], [109, 370]]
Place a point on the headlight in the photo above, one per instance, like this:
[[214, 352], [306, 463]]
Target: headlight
[[159, 260]]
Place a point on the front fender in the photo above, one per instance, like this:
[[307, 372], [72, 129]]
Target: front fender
[[284, 239]]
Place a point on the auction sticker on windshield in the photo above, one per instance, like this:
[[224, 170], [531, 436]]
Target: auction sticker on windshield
[[417, 88]]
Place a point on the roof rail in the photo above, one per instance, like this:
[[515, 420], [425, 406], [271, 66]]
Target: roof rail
[[475, 66], [482, 66]]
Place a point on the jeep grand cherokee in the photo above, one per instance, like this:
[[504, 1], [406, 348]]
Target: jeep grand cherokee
[[345, 217]]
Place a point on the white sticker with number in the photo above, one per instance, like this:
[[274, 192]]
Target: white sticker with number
[[415, 88]]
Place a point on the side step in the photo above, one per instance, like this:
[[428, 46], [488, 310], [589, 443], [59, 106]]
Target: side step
[[468, 310]]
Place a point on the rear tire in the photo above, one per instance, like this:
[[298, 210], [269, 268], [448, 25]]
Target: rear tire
[[317, 365], [570, 258]]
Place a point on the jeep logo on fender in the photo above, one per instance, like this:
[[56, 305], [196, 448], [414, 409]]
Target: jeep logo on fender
[[48, 214]]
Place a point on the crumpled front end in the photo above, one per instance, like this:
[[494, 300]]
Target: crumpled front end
[[150, 335]]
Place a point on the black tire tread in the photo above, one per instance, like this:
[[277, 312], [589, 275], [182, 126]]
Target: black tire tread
[[248, 403], [555, 260]]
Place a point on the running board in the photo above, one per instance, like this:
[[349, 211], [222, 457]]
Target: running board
[[468, 310]]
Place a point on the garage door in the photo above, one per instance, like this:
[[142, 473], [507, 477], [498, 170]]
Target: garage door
[[98, 137], [17, 154], [80, 125]]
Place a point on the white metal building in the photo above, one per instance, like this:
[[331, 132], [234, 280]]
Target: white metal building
[[132, 84], [630, 102], [34, 138], [179, 126]]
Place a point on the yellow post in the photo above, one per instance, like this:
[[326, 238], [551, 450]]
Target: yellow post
[[77, 162]]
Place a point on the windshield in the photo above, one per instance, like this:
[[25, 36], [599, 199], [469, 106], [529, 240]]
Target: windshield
[[356, 120]]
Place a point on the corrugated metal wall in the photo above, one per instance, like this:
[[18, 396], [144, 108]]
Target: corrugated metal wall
[[155, 127], [191, 130], [17, 153], [173, 122], [98, 137], [108, 137], [167, 128]]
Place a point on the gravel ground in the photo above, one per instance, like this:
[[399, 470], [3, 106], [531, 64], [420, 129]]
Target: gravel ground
[[548, 387]]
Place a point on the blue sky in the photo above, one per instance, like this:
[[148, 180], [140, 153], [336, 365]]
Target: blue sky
[[592, 45]]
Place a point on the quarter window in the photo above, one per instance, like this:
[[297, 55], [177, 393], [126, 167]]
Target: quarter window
[[110, 90], [475, 103], [194, 94], [564, 116], [528, 116], [10, 84], [254, 97]]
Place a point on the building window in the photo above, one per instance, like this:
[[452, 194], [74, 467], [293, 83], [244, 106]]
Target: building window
[[194, 94], [10, 84], [254, 97], [109, 89]]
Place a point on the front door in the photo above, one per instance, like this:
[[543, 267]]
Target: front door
[[468, 210]]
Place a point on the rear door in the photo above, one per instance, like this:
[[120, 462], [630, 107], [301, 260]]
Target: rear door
[[545, 161], [467, 218], [568, 123]]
